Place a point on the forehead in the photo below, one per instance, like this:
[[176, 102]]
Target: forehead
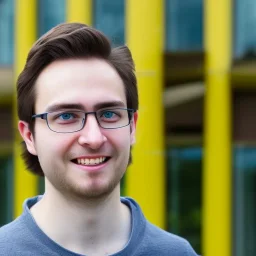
[[79, 81]]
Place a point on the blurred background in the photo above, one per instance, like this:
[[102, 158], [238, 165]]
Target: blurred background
[[194, 170]]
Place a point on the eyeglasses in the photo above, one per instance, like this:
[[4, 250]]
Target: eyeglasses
[[68, 121]]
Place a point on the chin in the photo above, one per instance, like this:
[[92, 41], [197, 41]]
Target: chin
[[93, 191]]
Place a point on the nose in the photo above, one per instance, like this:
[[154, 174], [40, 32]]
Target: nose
[[91, 135]]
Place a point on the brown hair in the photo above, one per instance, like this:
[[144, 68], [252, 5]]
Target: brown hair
[[65, 41]]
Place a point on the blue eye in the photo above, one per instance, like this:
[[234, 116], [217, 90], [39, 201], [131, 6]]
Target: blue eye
[[66, 116], [108, 114]]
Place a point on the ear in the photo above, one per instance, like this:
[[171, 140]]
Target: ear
[[133, 127], [27, 137]]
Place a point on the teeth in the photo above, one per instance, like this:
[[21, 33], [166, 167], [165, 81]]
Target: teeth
[[91, 161]]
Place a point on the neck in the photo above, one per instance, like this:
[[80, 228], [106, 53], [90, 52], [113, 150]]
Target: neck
[[84, 225]]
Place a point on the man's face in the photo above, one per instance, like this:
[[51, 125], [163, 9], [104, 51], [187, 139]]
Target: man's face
[[88, 83]]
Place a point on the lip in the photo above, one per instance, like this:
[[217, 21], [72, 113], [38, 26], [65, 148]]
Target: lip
[[91, 157], [91, 168]]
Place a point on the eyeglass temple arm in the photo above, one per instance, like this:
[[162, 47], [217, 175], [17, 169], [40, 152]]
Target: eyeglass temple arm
[[42, 116]]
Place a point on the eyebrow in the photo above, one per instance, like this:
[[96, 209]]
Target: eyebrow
[[106, 104], [57, 107]]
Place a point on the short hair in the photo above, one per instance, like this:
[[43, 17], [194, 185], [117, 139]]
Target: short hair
[[69, 41]]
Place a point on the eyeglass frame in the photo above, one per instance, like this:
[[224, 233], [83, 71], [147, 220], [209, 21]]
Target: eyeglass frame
[[44, 117]]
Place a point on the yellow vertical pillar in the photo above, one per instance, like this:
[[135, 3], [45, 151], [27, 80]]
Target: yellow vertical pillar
[[79, 11], [25, 183], [217, 158], [145, 180]]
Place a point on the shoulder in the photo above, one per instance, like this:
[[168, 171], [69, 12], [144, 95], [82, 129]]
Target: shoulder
[[170, 244], [148, 239], [12, 229], [20, 238], [11, 236]]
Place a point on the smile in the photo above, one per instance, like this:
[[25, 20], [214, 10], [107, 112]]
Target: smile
[[91, 161]]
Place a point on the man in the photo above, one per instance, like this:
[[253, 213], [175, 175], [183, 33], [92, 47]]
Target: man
[[77, 105]]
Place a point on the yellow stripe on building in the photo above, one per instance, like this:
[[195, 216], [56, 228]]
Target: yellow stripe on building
[[217, 147], [25, 183], [79, 11], [145, 180]]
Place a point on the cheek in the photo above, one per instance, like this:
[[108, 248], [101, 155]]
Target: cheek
[[121, 140], [50, 145]]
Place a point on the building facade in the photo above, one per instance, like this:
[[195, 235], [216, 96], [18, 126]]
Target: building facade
[[196, 69]]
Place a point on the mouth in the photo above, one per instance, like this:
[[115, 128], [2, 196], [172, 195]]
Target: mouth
[[91, 161]]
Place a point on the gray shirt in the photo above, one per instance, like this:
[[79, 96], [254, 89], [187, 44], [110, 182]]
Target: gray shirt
[[23, 237]]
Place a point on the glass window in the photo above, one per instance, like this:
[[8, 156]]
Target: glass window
[[50, 14], [245, 32], [6, 32], [184, 25], [6, 189], [41, 187], [244, 200], [109, 18], [184, 165]]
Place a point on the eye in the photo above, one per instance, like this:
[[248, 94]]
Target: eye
[[108, 114], [66, 116]]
